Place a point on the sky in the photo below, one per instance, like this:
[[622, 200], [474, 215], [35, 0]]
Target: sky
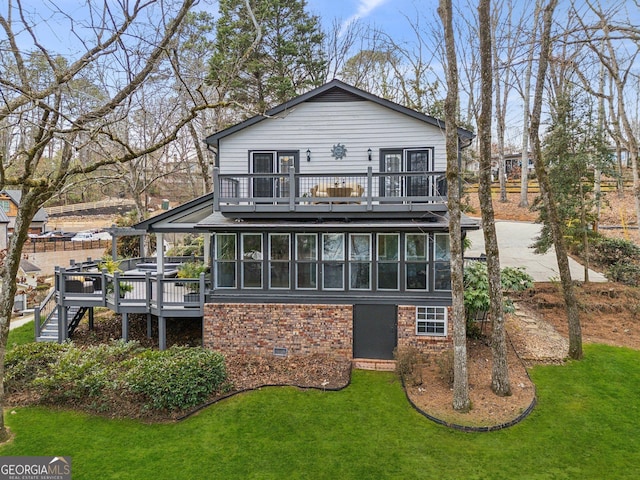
[[389, 15]]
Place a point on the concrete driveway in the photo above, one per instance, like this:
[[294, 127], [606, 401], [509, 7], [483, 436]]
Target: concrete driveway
[[515, 240]]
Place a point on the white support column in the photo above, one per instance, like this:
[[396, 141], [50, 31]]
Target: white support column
[[207, 248], [160, 252]]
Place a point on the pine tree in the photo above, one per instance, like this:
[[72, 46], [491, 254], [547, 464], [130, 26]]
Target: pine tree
[[260, 66]]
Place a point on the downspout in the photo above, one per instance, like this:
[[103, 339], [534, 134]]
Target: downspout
[[462, 146]]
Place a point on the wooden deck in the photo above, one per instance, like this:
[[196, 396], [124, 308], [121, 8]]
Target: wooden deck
[[77, 292]]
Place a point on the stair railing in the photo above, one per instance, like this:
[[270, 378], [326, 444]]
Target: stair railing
[[43, 312]]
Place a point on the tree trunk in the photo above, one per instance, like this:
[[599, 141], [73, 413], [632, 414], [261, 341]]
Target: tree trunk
[[203, 162], [573, 318], [585, 235], [500, 372], [29, 205], [461, 400]]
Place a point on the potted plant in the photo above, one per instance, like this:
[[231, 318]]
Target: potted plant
[[191, 270], [123, 288], [112, 266]]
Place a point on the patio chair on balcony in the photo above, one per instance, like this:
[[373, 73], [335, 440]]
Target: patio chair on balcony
[[78, 285]]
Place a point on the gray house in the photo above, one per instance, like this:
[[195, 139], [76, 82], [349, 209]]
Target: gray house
[[326, 232], [329, 230]]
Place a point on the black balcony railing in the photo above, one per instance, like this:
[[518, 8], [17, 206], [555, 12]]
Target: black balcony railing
[[294, 189]]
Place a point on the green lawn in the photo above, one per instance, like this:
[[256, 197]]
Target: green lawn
[[24, 334], [585, 426]]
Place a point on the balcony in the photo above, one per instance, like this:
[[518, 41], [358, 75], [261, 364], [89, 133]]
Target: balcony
[[301, 195]]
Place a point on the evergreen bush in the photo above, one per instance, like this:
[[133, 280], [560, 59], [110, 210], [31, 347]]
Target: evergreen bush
[[177, 378]]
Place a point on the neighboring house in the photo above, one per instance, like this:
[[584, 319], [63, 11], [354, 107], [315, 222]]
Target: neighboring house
[[330, 231], [9, 201], [513, 164], [4, 230], [28, 274]]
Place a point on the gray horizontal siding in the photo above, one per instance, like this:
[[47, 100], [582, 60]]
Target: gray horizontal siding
[[318, 126]]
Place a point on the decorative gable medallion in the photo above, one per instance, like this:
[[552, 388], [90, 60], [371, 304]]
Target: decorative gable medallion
[[339, 151]]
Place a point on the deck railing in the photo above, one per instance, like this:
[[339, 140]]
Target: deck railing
[[295, 189], [122, 292], [43, 312]]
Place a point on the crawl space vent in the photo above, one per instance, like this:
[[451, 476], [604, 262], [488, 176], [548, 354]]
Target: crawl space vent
[[280, 352]]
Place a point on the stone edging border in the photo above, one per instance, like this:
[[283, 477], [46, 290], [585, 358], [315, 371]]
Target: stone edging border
[[232, 394], [454, 426], [490, 428]]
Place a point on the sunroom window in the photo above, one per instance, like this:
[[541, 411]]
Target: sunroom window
[[252, 260], [279, 260], [333, 261], [360, 261], [225, 260], [416, 246], [306, 261], [442, 264], [388, 261]]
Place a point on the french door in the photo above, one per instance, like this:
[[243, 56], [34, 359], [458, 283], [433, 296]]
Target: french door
[[276, 164], [394, 163]]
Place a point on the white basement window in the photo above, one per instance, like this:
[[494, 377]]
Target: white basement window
[[431, 321]]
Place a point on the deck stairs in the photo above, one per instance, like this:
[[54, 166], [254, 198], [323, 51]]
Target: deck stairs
[[49, 331]]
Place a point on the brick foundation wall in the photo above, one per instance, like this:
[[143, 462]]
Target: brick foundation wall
[[426, 344], [259, 328], [238, 328]]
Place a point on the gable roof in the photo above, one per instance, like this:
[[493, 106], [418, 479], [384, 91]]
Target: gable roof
[[182, 218], [335, 91], [28, 267], [16, 196]]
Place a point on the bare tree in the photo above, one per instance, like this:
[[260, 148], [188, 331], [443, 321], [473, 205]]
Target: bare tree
[[461, 400], [189, 63], [573, 318], [525, 92], [339, 43], [601, 39], [47, 125], [500, 372]]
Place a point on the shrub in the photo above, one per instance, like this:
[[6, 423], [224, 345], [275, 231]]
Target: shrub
[[408, 362], [611, 251], [25, 362], [174, 379], [444, 361], [476, 291], [78, 374], [177, 378], [627, 273]]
